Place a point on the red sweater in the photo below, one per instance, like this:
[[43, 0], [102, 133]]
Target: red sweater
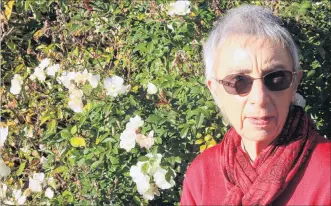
[[204, 183]]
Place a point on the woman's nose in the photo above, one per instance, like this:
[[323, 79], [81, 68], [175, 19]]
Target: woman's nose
[[259, 94]]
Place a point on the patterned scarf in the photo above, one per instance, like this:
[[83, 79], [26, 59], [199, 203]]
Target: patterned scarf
[[275, 166]]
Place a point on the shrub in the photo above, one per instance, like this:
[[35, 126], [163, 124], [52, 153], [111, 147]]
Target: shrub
[[106, 102]]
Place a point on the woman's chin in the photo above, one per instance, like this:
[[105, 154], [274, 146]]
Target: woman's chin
[[258, 131]]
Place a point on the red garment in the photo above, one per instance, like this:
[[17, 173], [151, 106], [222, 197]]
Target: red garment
[[209, 182], [204, 184]]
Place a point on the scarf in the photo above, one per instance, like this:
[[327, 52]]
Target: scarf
[[274, 167]]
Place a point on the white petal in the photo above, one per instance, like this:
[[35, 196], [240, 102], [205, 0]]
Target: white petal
[[53, 69], [49, 193], [151, 88], [94, 80], [135, 123], [179, 8], [44, 63], [16, 84], [160, 180], [128, 140], [4, 170], [3, 135], [35, 185], [76, 104]]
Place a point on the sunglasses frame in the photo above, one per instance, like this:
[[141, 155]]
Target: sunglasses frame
[[229, 84]]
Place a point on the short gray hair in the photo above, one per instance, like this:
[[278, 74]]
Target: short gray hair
[[247, 20]]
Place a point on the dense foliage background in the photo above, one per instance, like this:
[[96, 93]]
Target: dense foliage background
[[69, 140]]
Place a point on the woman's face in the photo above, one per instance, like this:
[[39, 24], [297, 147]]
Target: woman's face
[[260, 114]]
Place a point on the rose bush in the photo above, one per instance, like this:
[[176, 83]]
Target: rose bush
[[105, 103]]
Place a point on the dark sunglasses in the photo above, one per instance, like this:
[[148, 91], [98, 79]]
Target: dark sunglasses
[[242, 84]]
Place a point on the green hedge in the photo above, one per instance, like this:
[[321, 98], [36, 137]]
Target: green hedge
[[66, 138]]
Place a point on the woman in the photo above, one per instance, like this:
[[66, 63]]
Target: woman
[[272, 154]]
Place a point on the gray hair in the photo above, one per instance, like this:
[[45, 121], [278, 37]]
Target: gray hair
[[247, 20]]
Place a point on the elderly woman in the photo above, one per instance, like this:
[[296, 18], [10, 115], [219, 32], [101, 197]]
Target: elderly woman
[[272, 154]]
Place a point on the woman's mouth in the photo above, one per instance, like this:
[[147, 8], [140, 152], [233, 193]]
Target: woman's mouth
[[260, 121]]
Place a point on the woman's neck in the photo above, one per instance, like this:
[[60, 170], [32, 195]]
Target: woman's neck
[[253, 148]]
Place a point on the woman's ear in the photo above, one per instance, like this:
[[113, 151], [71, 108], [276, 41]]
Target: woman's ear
[[209, 82], [296, 84], [298, 79]]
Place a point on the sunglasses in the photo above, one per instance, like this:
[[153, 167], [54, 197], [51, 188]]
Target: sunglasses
[[239, 84]]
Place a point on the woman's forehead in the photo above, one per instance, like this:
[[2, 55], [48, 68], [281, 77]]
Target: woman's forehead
[[244, 54]]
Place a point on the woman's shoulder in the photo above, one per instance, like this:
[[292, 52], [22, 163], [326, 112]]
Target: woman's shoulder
[[207, 159], [204, 182], [322, 152], [319, 162]]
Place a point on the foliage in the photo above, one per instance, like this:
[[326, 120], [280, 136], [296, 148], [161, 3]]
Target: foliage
[[140, 42]]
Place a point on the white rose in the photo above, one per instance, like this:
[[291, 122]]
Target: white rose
[[75, 100], [128, 140], [81, 77], [114, 86], [19, 197], [39, 176], [149, 194], [135, 123], [142, 182], [3, 135], [3, 191], [49, 193], [144, 141], [16, 84], [44, 63], [66, 78], [4, 170], [151, 88], [94, 80], [35, 183], [43, 160], [39, 73], [140, 178], [179, 8], [32, 77], [299, 100], [170, 27], [35, 186], [160, 180], [136, 171], [53, 69], [76, 105], [51, 181]]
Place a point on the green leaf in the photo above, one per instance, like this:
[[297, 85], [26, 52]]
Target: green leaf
[[208, 137], [51, 126], [145, 167], [113, 160], [184, 131], [68, 196], [78, 142], [199, 119], [74, 27], [65, 134], [96, 164], [21, 168], [203, 147], [311, 73], [73, 130], [60, 169], [199, 141], [143, 159]]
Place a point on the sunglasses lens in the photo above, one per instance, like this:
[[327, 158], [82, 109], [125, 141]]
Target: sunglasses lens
[[238, 84], [279, 80], [242, 84]]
